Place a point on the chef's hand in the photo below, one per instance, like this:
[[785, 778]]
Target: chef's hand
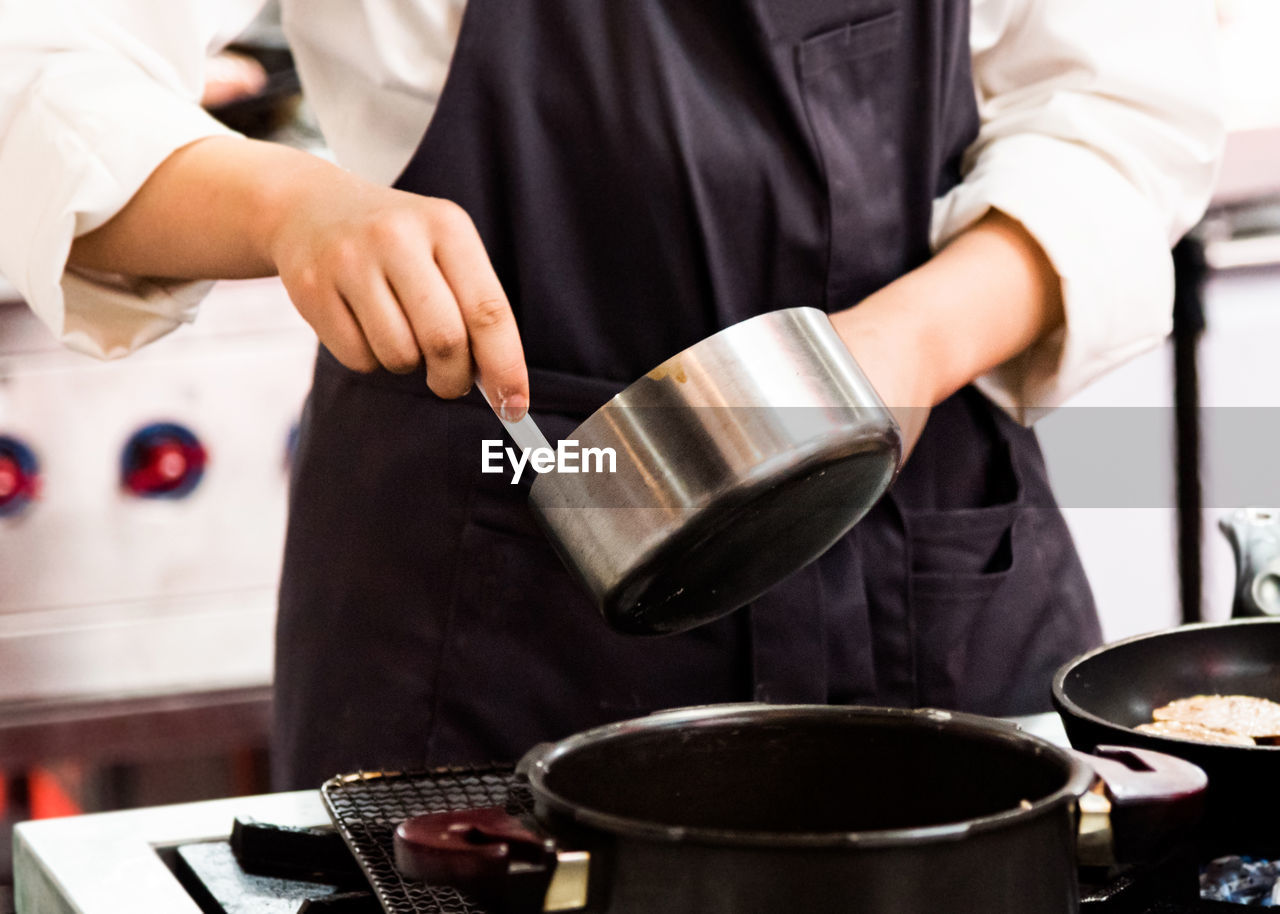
[[392, 278], [384, 277], [980, 301]]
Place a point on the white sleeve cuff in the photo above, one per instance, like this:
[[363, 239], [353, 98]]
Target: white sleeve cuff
[[85, 137], [1107, 245]]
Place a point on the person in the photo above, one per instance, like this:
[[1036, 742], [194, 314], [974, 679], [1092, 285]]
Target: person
[[983, 200]]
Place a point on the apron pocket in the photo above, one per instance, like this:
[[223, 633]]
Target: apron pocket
[[528, 657], [852, 112], [967, 552], [848, 42], [788, 21], [509, 677], [975, 599]]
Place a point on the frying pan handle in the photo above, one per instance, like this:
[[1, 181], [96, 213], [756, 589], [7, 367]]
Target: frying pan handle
[[1151, 802], [493, 856]]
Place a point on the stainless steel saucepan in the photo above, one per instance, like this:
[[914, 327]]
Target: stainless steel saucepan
[[738, 461]]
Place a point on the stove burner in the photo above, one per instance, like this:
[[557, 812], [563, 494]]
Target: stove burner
[[218, 883], [270, 869], [295, 853]]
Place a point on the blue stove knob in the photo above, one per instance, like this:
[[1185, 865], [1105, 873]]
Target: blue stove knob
[[164, 460], [19, 476]]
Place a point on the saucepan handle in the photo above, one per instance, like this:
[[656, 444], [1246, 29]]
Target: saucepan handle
[[493, 857], [1150, 802]]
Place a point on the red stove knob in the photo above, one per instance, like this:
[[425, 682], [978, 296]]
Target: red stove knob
[[19, 476], [163, 460]]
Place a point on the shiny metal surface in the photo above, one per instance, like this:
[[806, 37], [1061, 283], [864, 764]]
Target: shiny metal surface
[[568, 889], [1254, 534], [739, 461]]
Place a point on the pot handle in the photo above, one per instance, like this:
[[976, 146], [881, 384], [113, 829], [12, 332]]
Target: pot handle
[[1151, 802], [493, 856]]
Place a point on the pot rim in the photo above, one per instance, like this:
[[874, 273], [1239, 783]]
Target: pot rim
[[537, 763], [1068, 708]]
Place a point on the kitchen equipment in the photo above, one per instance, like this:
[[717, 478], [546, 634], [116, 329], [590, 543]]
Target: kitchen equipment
[[1102, 695], [736, 809], [74, 865], [1254, 534], [738, 461], [140, 541]]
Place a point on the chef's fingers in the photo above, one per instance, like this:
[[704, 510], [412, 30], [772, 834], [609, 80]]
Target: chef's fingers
[[491, 326], [385, 326], [432, 311], [330, 317]]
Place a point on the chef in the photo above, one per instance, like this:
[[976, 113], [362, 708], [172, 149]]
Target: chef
[[983, 200]]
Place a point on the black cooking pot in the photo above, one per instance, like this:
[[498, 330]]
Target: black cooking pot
[[739, 809], [1102, 695]]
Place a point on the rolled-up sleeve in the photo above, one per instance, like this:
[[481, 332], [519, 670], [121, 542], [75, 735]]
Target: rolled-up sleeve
[[94, 95], [1100, 133]]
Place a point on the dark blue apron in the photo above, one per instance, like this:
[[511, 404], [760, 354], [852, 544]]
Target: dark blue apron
[[643, 173]]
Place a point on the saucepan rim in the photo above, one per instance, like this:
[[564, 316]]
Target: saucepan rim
[[537, 763], [618, 400]]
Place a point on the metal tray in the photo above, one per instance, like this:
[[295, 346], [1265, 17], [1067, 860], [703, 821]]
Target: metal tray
[[366, 808]]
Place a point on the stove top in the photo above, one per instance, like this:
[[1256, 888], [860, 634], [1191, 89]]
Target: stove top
[[367, 808], [189, 860]]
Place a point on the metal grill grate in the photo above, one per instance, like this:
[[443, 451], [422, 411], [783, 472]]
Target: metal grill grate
[[367, 807]]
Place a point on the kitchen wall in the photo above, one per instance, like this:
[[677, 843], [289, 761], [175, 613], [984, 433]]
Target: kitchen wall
[[1110, 454]]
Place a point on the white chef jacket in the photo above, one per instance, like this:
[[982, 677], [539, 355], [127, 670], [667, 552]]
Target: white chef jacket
[[1100, 133]]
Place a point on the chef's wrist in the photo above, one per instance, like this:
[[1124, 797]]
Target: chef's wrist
[[895, 349], [287, 185], [982, 300], [890, 346]]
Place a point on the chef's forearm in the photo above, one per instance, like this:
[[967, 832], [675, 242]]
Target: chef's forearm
[[208, 212], [384, 277], [980, 301]]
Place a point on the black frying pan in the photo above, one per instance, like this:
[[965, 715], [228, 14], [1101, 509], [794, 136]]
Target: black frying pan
[[1102, 695]]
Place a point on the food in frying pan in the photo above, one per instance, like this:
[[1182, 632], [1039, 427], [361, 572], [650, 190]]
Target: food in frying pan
[[1182, 729], [1243, 714], [1238, 720]]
